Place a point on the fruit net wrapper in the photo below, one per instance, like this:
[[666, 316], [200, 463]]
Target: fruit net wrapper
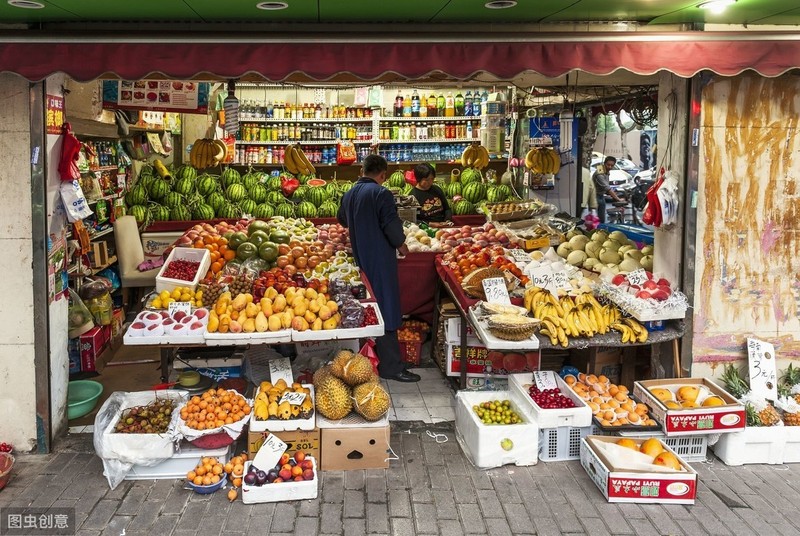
[[787, 404], [675, 306], [626, 459]]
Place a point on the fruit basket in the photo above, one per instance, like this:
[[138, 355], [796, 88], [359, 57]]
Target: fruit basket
[[6, 465]]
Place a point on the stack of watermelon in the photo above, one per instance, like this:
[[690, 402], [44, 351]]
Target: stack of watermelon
[[188, 196]]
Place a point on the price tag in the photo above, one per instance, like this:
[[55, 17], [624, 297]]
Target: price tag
[[280, 368], [763, 372], [637, 277], [543, 277], [495, 290], [561, 280], [292, 398], [520, 255], [182, 306], [270, 453], [545, 379]]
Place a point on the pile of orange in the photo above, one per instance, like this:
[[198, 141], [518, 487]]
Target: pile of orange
[[611, 404], [208, 471], [235, 468], [220, 252], [214, 409]]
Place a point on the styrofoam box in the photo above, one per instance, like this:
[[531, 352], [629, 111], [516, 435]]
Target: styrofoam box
[[692, 448], [452, 332], [754, 444], [791, 453], [562, 443], [181, 463], [282, 491], [493, 342], [483, 444], [579, 416], [203, 256], [282, 425], [243, 339], [334, 334], [352, 420]]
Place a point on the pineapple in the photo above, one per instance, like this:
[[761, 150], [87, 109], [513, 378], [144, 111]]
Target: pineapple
[[791, 378], [734, 382], [767, 416]]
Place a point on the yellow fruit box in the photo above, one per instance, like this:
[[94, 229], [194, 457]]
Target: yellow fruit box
[[635, 483], [706, 409], [276, 424], [306, 440]]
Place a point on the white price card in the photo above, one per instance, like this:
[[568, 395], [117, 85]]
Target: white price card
[[182, 306], [543, 277], [637, 277], [270, 453], [763, 371], [281, 368], [561, 280], [520, 255], [495, 290], [292, 398], [545, 379]]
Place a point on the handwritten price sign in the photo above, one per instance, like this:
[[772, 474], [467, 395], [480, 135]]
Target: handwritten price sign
[[561, 280], [292, 398], [270, 453], [176, 306], [495, 290], [543, 277], [545, 379], [520, 256], [281, 368], [763, 372], [637, 277]]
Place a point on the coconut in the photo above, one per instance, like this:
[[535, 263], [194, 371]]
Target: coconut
[[599, 236], [609, 256], [564, 249], [593, 249], [576, 258], [578, 242], [629, 265], [647, 262], [612, 244], [634, 254]]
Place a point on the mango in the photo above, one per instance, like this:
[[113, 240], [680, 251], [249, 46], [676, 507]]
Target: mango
[[317, 325], [251, 310], [329, 324], [239, 302], [300, 307], [314, 306], [213, 323], [310, 317], [248, 298], [299, 323], [286, 320], [261, 322], [279, 304], [271, 293], [249, 325], [325, 313], [224, 323], [332, 306], [311, 294], [274, 323], [235, 327]]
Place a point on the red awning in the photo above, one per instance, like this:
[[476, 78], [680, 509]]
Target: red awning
[[328, 60]]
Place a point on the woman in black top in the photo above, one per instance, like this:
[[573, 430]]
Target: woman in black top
[[432, 201]]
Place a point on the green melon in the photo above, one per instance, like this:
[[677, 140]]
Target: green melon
[[136, 196], [470, 175], [333, 189], [300, 193], [396, 180], [276, 198], [159, 212], [179, 213], [406, 189], [247, 206], [257, 193], [305, 178], [505, 190], [230, 176], [158, 189], [216, 201], [274, 184], [306, 209], [145, 181], [173, 199], [139, 212], [463, 207], [453, 189], [206, 184], [229, 211], [285, 210], [264, 211], [250, 179], [184, 186], [345, 186], [203, 212], [318, 195], [474, 192], [495, 195], [186, 172], [235, 192], [328, 209]]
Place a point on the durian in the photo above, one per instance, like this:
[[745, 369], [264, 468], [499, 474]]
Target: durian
[[356, 370], [371, 401], [333, 398]]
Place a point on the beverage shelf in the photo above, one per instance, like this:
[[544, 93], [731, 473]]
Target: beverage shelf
[[315, 142], [326, 120], [431, 140], [437, 118]]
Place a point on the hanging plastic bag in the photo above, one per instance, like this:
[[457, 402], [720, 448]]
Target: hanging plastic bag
[[80, 319], [70, 152], [75, 203], [368, 351], [345, 152]]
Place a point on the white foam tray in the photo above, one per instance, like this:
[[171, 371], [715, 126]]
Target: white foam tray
[[577, 417], [494, 343], [232, 339]]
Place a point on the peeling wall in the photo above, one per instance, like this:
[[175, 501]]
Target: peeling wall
[[747, 262]]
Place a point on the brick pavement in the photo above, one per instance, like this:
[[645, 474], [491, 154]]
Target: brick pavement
[[431, 489]]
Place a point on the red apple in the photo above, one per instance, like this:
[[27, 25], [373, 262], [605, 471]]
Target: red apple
[[663, 282], [650, 284], [649, 274], [660, 295], [178, 316], [665, 288], [619, 279], [307, 464], [201, 313], [643, 294], [308, 474]]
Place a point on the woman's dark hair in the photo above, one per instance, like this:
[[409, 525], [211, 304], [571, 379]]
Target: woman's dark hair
[[423, 170], [374, 164]]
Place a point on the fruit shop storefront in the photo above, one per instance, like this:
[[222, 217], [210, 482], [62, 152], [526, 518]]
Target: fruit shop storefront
[[692, 251]]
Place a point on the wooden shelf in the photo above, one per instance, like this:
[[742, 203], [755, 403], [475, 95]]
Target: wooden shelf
[[104, 198], [101, 233], [111, 261]]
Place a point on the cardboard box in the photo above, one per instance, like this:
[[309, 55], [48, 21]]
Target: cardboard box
[[117, 322], [502, 361], [306, 440], [452, 332], [92, 343], [155, 244], [704, 420], [99, 254], [346, 448], [607, 361], [635, 486]]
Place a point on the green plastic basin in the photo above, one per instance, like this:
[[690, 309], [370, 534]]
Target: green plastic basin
[[82, 396]]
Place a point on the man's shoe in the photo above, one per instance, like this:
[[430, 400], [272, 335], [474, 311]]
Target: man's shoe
[[404, 376]]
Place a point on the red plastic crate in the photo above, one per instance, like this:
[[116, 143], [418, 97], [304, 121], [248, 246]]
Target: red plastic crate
[[410, 351]]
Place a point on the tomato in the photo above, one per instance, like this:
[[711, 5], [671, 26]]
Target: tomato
[[237, 239], [257, 225], [258, 238], [246, 250], [268, 251]]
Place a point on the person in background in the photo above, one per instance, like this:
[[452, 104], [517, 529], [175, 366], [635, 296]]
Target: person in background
[[602, 186], [434, 208], [376, 236], [589, 199]]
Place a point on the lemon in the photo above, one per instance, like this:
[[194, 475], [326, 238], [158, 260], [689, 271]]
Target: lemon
[[167, 302], [157, 302], [176, 294], [185, 297], [198, 295], [164, 295]]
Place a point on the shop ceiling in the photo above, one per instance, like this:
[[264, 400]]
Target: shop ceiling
[[645, 12]]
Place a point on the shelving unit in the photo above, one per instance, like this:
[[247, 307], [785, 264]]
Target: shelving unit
[[109, 197], [101, 233]]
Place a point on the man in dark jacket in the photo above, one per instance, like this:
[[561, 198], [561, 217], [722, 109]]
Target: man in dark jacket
[[602, 186], [376, 235]]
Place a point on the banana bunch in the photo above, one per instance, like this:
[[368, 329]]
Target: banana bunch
[[632, 331], [543, 160], [475, 156], [207, 153], [581, 316], [296, 162]]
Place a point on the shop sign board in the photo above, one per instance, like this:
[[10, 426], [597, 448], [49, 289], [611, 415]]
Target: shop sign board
[[54, 114], [156, 95]]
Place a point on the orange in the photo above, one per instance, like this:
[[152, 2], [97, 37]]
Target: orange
[[191, 475], [198, 481], [628, 443]]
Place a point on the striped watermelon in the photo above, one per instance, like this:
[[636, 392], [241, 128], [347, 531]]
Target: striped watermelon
[[328, 209], [333, 189], [235, 192], [173, 199], [474, 192], [463, 207], [495, 194], [158, 189], [453, 189], [275, 198], [159, 212], [470, 175], [145, 181], [285, 210], [264, 211], [406, 189], [139, 212], [184, 186], [180, 213], [318, 195], [306, 209], [345, 186], [216, 201], [257, 193], [274, 184], [136, 196], [300, 193], [305, 178], [250, 179], [203, 212], [206, 184], [186, 172], [396, 180], [506, 190], [229, 211], [230, 176], [247, 206]]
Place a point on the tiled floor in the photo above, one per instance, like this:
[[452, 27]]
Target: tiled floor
[[430, 400]]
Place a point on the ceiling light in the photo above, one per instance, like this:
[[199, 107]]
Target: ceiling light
[[272, 6], [26, 4], [716, 6], [500, 4]]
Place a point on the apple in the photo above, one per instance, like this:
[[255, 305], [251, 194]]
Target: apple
[[665, 288], [201, 313], [663, 282], [659, 295], [308, 474], [285, 474], [307, 464], [650, 285], [619, 279], [643, 294], [138, 325], [188, 319], [178, 316], [196, 325], [167, 322]]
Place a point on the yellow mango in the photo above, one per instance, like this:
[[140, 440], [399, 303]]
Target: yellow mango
[[271, 293], [299, 323], [289, 294], [265, 386], [274, 323], [332, 306], [213, 323], [316, 325], [261, 322], [234, 315], [224, 323], [235, 327], [300, 308], [300, 291], [314, 306], [310, 317], [251, 310], [279, 304], [286, 319], [266, 306], [329, 324], [325, 313], [321, 299], [239, 302], [249, 325], [311, 294], [248, 298], [221, 307]]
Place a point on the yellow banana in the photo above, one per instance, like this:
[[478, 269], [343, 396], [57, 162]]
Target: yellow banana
[[289, 161], [562, 337], [307, 166]]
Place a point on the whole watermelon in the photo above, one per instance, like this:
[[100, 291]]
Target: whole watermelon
[[318, 195], [333, 189], [230, 176], [257, 193], [250, 179], [216, 201], [453, 189], [235, 192], [206, 184], [203, 212], [173, 199], [306, 209], [159, 212], [328, 209], [305, 178], [300, 193], [495, 194], [183, 186], [158, 189], [275, 198], [139, 212], [474, 192], [179, 213], [470, 175], [463, 207], [186, 172], [406, 189], [229, 211], [396, 179], [264, 211], [286, 210], [505, 190], [345, 186], [136, 196], [247, 206], [145, 181], [274, 184]]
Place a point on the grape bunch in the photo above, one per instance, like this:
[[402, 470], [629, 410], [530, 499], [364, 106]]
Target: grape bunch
[[153, 418]]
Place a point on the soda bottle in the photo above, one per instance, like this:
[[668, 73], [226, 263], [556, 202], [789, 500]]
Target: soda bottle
[[468, 103], [407, 106], [423, 106], [432, 107], [440, 105], [449, 105], [398, 104], [415, 104], [459, 104], [484, 100]]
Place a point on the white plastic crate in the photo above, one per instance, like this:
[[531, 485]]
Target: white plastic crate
[[203, 256], [691, 448], [791, 453], [754, 444], [562, 443], [579, 416]]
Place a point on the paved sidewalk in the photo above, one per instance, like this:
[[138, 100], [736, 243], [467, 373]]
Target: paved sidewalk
[[431, 489]]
